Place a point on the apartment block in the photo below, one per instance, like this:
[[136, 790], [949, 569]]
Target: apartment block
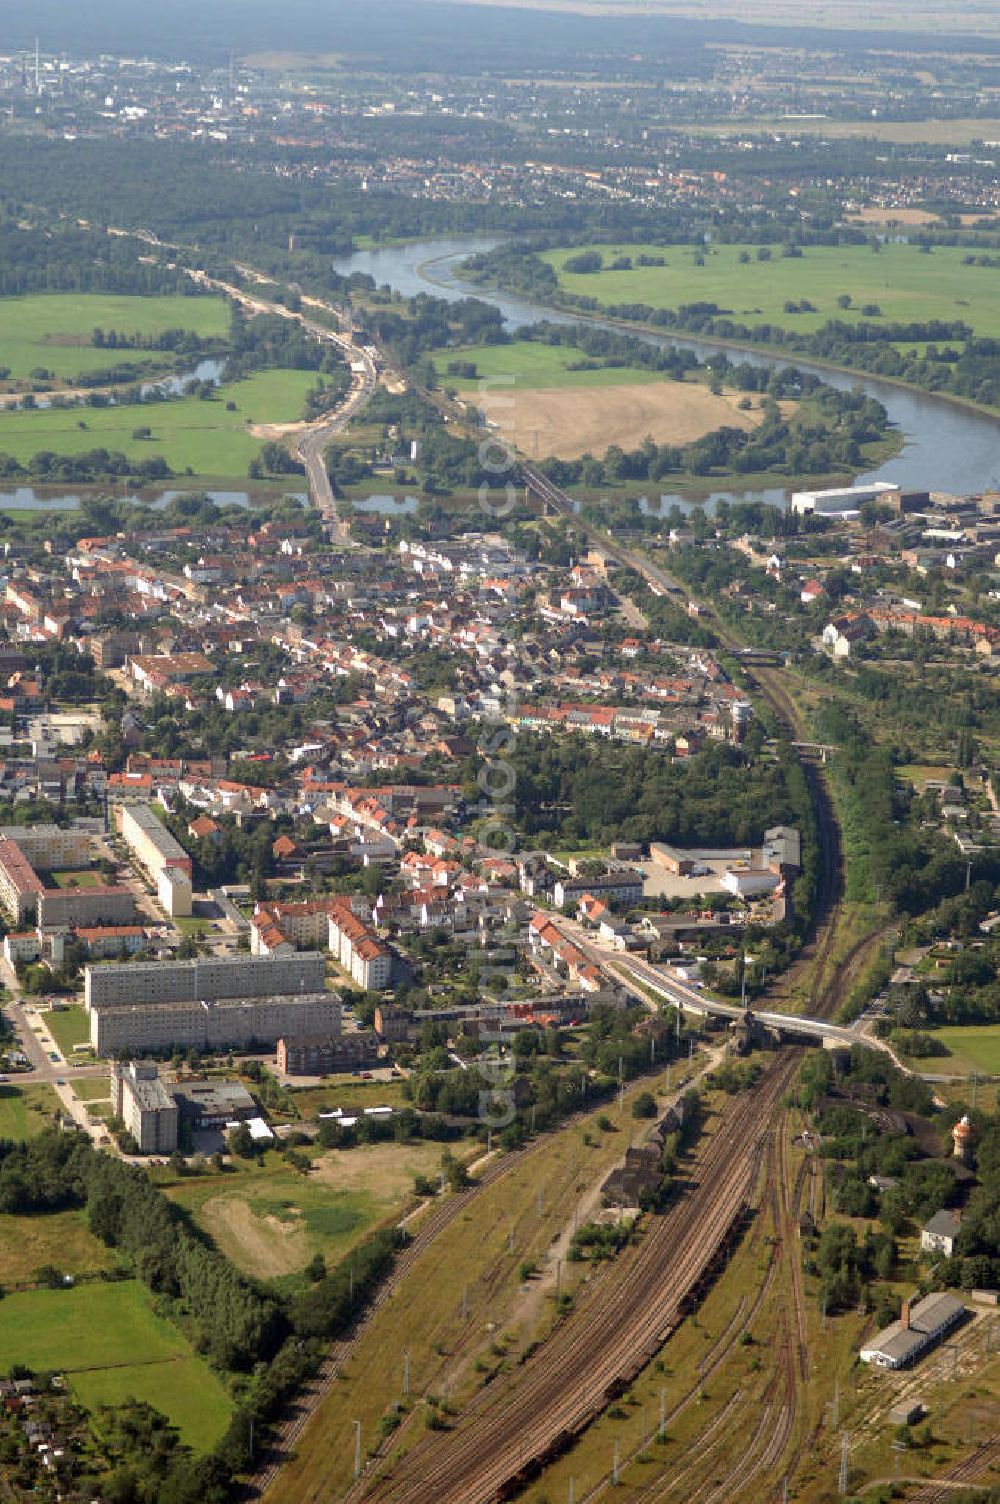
[[21, 888], [227, 1023], [85, 907], [145, 1106], [52, 847], [323, 1055], [204, 980]]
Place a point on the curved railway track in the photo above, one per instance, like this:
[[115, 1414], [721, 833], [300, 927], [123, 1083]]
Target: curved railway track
[[514, 1426], [510, 1430], [969, 1471]]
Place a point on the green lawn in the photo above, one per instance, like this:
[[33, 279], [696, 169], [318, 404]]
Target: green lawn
[[68, 1026], [53, 330], [185, 1390], [89, 1326], [111, 1343], [348, 1092], [26, 1110], [905, 284], [534, 365], [188, 433], [75, 881], [92, 1089], [972, 1048]]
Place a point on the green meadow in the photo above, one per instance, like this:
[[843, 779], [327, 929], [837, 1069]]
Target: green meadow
[[526, 364], [973, 1048], [68, 1026], [52, 331], [200, 437], [26, 1110], [111, 1344], [904, 283]]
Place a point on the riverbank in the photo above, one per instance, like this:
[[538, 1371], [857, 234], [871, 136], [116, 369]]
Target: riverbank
[[776, 355]]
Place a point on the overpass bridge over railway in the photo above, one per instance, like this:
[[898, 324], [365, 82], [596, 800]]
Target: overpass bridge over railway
[[643, 978], [792, 1027]]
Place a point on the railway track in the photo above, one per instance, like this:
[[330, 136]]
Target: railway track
[[741, 1320], [969, 1470], [506, 1437], [509, 1431]]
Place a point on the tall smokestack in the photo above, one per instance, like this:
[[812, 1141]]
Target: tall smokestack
[[904, 1316]]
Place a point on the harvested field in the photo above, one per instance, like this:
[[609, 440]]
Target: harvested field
[[567, 423], [876, 216]]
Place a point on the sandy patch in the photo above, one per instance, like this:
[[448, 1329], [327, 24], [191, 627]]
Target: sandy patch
[[264, 1246], [274, 430], [570, 421], [384, 1171]]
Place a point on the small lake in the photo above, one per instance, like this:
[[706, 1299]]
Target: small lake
[[387, 506], [209, 369], [947, 447]]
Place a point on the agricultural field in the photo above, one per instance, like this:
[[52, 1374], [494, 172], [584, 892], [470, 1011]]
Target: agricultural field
[[550, 409], [902, 282], [68, 1026], [110, 1343], [52, 331], [203, 438], [26, 1110], [58, 1238], [528, 363], [926, 132], [271, 1220]]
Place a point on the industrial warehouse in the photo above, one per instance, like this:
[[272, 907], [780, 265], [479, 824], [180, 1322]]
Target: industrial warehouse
[[918, 1328]]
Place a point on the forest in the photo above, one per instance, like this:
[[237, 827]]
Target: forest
[[578, 791]]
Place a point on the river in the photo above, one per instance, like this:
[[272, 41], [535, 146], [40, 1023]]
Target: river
[[947, 447]]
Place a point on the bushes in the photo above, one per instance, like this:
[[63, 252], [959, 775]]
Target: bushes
[[326, 1309], [599, 1240]]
